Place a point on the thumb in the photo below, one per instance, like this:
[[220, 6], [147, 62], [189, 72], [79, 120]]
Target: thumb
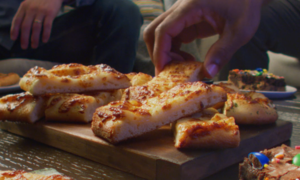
[[221, 52]]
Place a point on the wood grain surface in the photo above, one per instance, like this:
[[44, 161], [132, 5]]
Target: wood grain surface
[[151, 156]]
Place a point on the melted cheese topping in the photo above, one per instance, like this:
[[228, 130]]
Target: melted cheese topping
[[73, 77], [209, 129], [124, 119], [174, 73]]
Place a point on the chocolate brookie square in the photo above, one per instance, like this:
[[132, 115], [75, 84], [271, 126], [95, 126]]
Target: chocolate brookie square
[[259, 79], [282, 162]]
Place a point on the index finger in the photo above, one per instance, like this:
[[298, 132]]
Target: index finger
[[16, 24], [169, 28], [149, 31]]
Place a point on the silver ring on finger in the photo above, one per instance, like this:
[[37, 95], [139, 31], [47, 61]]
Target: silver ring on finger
[[37, 21]]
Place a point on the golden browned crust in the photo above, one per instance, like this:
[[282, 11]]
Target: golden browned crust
[[73, 78], [72, 107], [174, 73], [139, 79], [22, 107], [9, 79], [250, 108], [229, 88], [207, 130], [121, 120], [131, 75], [23, 175]]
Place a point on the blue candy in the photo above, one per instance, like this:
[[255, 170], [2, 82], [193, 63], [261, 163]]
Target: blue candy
[[259, 69], [263, 159]]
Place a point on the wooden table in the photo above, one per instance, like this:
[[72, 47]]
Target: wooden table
[[17, 152]]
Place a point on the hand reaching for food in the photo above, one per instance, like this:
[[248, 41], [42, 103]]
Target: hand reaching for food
[[234, 20]]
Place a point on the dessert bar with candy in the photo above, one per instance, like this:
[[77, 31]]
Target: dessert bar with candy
[[282, 162], [259, 79]]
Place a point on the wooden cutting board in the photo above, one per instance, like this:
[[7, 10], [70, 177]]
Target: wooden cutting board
[[152, 156]]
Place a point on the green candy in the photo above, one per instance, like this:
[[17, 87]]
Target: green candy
[[259, 73], [296, 160]]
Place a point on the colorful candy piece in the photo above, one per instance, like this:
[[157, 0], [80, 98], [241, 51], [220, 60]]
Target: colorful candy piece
[[279, 156], [259, 69], [259, 73], [296, 160], [265, 70], [263, 159]]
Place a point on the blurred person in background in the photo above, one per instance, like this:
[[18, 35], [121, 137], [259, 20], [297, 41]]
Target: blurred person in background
[[92, 32], [278, 32]]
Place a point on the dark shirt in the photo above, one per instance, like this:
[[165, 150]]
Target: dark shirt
[[8, 9]]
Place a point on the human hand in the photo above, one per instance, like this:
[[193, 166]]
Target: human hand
[[31, 17], [234, 20]]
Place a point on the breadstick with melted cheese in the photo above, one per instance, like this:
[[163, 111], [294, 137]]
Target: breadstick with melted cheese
[[250, 108], [72, 107], [229, 88], [73, 78], [138, 79], [121, 120], [206, 130], [174, 73], [22, 107], [75, 107]]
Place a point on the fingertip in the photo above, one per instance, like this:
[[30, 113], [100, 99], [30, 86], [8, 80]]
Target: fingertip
[[217, 56], [24, 47], [13, 36], [211, 70], [156, 71], [24, 44], [159, 65], [45, 39]]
